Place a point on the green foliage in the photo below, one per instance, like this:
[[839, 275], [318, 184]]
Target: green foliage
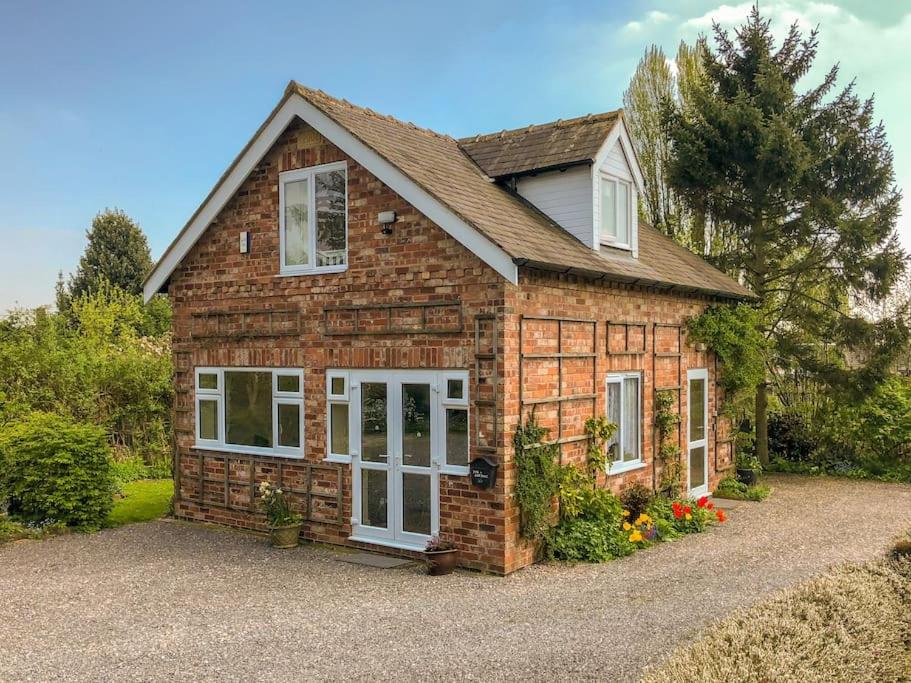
[[582, 539], [666, 421], [95, 363], [599, 431], [54, 468], [655, 81], [142, 501], [130, 469], [636, 498], [662, 514], [12, 530], [799, 188], [870, 439], [538, 479], [729, 487], [117, 253], [733, 334]]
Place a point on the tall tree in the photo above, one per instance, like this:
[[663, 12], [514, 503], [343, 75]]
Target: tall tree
[[655, 81], [804, 186], [117, 253]]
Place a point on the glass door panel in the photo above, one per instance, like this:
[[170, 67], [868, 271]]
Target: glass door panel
[[374, 422], [697, 431]]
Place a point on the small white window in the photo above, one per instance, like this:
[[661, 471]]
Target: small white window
[[616, 212], [338, 428], [250, 410], [313, 219], [624, 450], [454, 400]]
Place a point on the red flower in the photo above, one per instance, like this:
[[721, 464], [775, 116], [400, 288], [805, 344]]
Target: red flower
[[687, 510], [720, 515], [702, 501], [710, 506], [678, 513]]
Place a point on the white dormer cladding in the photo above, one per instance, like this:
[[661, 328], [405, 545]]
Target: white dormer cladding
[[575, 197], [565, 196]]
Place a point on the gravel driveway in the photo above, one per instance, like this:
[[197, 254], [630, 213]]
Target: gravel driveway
[[169, 600]]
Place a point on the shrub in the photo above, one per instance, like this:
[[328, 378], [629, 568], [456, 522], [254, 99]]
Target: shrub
[[729, 487], [790, 437], [851, 624], [54, 468], [129, 469], [636, 498], [588, 540]]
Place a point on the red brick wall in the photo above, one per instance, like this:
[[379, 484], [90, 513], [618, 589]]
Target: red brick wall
[[547, 295], [417, 262]]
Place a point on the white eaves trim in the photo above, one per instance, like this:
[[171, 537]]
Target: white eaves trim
[[297, 106]]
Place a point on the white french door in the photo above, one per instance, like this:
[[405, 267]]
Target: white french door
[[395, 463], [697, 451]]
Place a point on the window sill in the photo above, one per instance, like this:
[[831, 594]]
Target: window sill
[[248, 450], [616, 245], [338, 459], [625, 467], [326, 270]]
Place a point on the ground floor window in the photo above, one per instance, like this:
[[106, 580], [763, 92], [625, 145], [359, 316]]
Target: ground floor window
[[250, 410], [624, 410]]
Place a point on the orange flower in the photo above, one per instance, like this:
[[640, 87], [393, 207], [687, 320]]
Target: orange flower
[[720, 515], [711, 506]]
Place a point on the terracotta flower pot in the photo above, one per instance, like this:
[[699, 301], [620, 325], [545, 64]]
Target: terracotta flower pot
[[286, 536], [440, 562]]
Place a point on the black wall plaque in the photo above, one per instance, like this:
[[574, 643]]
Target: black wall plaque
[[483, 473]]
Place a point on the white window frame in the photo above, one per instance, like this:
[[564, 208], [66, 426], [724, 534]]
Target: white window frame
[[619, 466], [631, 197], [344, 399], [309, 174], [455, 404], [278, 398]]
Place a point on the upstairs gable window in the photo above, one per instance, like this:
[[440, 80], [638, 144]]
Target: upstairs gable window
[[313, 219], [616, 212]]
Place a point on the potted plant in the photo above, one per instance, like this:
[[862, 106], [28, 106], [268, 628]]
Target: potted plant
[[284, 524], [748, 469], [442, 556]]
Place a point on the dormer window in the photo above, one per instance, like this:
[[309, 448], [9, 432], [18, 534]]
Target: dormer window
[[616, 212], [313, 219]]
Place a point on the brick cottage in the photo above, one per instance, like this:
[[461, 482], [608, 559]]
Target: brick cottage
[[363, 307]]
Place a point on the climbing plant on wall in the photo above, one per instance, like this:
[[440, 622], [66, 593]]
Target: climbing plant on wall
[[666, 421]]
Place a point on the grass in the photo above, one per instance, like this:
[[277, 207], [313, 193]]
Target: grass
[[143, 500], [852, 623]]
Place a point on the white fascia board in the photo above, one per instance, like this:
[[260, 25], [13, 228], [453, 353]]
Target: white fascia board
[[414, 194]]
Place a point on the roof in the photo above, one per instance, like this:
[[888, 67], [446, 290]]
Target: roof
[[534, 148], [432, 172]]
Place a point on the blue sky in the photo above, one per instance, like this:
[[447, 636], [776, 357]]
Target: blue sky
[[142, 106]]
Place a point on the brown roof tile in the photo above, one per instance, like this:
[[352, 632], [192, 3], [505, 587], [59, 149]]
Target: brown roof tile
[[547, 145], [437, 163]]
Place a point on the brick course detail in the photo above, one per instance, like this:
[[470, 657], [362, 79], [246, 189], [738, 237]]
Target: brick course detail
[[236, 310]]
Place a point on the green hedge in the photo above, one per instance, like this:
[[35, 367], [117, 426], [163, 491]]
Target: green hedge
[[55, 469]]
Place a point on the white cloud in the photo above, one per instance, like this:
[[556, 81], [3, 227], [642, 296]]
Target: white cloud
[[652, 18]]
